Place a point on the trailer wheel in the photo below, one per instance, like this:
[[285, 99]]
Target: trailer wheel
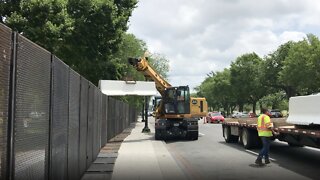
[[196, 136], [250, 139], [247, 138], [227, 135], [193, 135]]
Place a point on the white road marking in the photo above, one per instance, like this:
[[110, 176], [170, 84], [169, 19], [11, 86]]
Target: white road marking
[[258, 154], [201, 134]]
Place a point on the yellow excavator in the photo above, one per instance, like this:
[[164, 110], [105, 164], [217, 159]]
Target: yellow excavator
[[177, 114]]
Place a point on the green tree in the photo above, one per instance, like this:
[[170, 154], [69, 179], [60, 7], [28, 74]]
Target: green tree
[[130, 47], [245, 79], [273, 101], [205, 90], [160, 63], [302, 66], [83, 33], [45, 22], [271, 68], [223, 91]]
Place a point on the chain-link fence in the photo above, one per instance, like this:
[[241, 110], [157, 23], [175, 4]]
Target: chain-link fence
[[53, 122]]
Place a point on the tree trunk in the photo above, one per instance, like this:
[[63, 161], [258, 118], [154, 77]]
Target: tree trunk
[[241, 107], [225, 109], [254, 107], [290, 91]]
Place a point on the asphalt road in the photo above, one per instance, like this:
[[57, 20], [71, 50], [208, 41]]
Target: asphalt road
[[211, 157]]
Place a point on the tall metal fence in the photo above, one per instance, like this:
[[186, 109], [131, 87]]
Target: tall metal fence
[[53, 122]]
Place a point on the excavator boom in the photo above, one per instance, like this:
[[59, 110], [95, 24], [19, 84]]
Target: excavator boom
[[143, 66]]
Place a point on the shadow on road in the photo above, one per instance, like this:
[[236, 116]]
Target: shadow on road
[[301, 160], [257, 166]]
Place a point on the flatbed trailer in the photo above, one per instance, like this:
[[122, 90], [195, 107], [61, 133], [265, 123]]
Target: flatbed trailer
[[244, 130]]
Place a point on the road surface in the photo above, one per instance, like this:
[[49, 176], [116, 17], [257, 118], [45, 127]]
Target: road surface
[[211, 158]]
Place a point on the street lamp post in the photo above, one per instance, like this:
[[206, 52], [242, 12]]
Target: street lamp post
[[142, 111], [146, 128]]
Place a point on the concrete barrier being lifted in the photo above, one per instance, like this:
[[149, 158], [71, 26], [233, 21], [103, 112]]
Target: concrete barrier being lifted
[[304, 110], [123, 88]]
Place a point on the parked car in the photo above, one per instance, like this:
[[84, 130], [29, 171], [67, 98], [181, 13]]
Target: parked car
[[236, 115], [275, 113], [252, 115], [214, 117], [240, 115]]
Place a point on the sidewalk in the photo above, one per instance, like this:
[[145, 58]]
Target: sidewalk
[[102, 167], [140, 157]]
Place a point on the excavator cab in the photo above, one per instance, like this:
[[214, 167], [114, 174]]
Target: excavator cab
[[176, 100]]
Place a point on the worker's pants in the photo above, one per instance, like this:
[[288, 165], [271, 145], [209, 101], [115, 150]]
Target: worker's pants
[[265, 149]]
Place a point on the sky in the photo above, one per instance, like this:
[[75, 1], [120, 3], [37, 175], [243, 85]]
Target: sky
[[201, 36]]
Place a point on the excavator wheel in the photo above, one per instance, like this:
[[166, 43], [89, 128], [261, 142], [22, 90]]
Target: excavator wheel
[[157, 135], [160, 135], [192, 135]]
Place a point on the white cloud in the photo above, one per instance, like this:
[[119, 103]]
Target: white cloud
[[206, 35]]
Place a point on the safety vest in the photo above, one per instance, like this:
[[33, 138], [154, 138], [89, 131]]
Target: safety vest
[[263, 126]]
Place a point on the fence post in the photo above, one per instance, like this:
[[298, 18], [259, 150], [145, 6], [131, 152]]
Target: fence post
[[12, 98]]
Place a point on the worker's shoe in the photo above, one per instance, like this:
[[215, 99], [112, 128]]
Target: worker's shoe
[[267, 161], [259, 161]]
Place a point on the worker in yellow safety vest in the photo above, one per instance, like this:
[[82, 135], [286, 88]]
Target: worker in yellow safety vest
[[264, 127]]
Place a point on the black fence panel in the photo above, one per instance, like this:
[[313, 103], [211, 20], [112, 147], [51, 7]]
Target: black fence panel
[[130, 113], [95, 139], [99, 121], [83, 125], [60, 116], [73, 132], [116, 117], [111, 117], [31, 139], [119, 117], [104, 120], [5, 60], [101, 96], [127, 115], [122, 116], [90, 124], [133, 115]]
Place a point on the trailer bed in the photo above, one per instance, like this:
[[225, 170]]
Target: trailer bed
[[294, 135]]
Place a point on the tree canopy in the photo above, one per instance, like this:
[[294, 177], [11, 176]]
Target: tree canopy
[[292, 69], [84, 33]]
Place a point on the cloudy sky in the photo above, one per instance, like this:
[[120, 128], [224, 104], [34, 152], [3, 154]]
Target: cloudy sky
[[200, 36]]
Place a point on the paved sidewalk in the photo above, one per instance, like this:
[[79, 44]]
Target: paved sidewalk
[[140, 157], [102, 167]]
